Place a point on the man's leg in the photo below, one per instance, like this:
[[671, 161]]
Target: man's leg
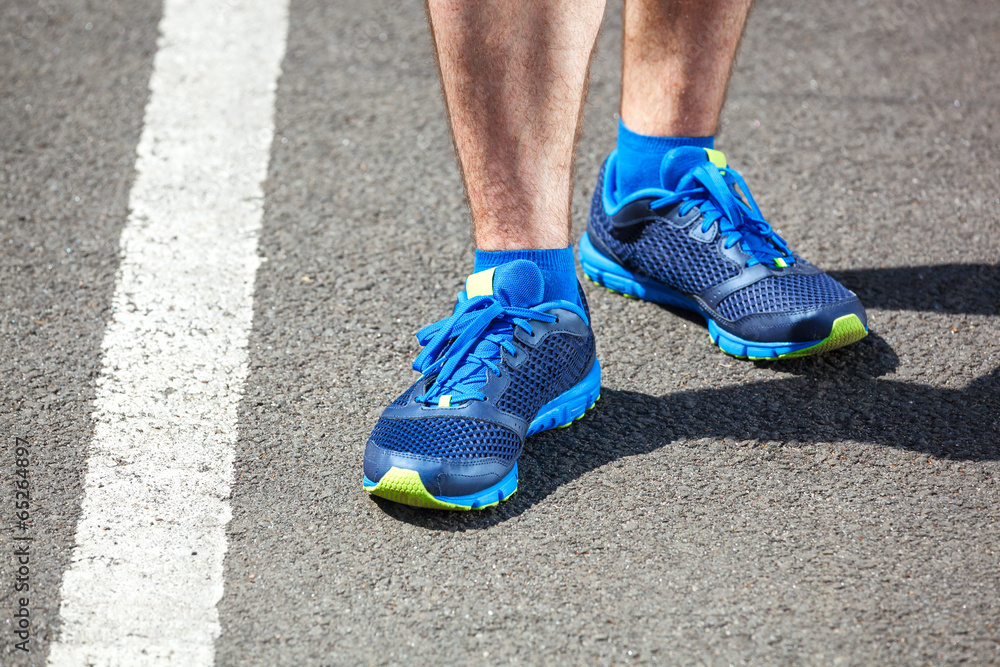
[[514, 75], [517, 356], [668, 220], [676, 59]]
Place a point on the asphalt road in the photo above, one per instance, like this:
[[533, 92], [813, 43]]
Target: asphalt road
[[834, 510]]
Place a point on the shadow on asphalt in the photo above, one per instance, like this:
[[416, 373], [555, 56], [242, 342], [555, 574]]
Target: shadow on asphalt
[[972, 289], [835, 397]]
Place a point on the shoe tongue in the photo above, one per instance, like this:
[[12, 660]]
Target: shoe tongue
[[677, 163], [518, 283]]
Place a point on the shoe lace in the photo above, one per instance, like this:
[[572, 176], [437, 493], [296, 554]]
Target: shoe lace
[[459, 348], [712, 190]]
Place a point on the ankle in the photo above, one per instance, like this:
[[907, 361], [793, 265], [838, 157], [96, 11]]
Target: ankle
[[557, 265], [640, 155]]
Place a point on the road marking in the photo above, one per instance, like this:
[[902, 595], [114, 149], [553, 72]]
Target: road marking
[[146, 571]]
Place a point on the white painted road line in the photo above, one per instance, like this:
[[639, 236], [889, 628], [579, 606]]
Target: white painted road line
[[146, 571]]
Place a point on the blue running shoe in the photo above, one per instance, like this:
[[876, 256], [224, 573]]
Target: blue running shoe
[[701, 244], [504, 366]]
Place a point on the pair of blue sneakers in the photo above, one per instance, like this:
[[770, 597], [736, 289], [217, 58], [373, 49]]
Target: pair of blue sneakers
[[506, 364]]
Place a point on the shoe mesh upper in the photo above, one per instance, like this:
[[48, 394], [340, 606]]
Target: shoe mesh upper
[[663, 252], [672, 257], [779, 294], [552, 368], [404, 398], [447, 438]]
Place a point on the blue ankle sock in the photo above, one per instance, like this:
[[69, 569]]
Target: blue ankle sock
[[557, 266], [639, 157]]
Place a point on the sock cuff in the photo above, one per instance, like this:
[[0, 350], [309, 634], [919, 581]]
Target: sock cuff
[[643, 143], [557, 259]]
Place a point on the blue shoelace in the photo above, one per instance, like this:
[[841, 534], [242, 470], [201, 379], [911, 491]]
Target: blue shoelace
[[459, 348], [712, 191]]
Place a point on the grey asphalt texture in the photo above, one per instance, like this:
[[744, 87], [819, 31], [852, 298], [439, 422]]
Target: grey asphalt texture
[[837, 510]]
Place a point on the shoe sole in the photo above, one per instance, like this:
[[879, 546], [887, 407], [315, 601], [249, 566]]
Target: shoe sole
[[607, 273], [404, 486]]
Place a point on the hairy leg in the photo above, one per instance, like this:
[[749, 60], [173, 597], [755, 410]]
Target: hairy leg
[[676, 60], [514, 75]]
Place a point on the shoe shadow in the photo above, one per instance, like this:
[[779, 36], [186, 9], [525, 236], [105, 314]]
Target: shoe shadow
[[972, 289], [835, 397]]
